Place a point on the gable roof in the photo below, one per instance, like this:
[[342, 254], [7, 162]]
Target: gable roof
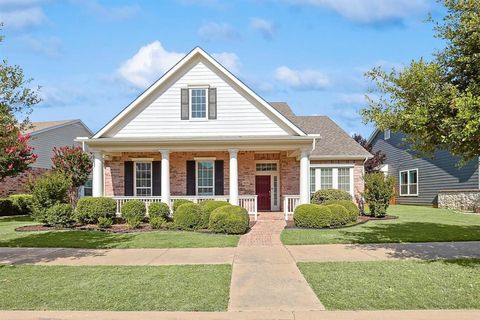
[[196, 52], [42, 126], [334, 142]]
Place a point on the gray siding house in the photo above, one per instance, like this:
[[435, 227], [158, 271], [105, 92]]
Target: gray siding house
[[420, 180]]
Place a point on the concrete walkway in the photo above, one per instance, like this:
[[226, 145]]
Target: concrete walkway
[[265, 276]]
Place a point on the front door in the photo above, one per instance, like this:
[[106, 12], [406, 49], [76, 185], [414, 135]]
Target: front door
[[263, 187]]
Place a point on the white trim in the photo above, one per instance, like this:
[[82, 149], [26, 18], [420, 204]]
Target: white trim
[[142, 159], [408, 183], [196, 177], [386, 134], [135, 177], [204, 158], [164, 79], [331, 165], [191, 118], [334, 168]]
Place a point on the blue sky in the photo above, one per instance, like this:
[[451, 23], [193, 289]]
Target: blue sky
[[92, 57]]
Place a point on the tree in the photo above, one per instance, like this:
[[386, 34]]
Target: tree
[[372, 164], [75, 164], [435, 103]]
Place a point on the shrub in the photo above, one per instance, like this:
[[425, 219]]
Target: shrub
[[47, 191], [90, 210], [60, 215], [188, 216], [156, 222], [105, 222], [178, 202], [158, 209], [133, 211], [229, 219], [207, 207], [7, 208], [22, 203], [340, 215], [324, 195], [312, 216], [352, 209], [378, 192]]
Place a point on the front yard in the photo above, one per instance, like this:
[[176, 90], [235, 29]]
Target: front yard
[[98, 240], [383, 285], [169, 288], [415, 224]]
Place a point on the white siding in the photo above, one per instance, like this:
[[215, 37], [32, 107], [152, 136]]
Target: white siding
[[45, 141], [236, 116]]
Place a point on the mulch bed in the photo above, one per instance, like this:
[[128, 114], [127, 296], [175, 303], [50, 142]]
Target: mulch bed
[[360, 220]]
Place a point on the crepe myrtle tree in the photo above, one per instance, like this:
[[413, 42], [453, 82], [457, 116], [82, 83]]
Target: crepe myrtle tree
[[75, 164], [373, 164]]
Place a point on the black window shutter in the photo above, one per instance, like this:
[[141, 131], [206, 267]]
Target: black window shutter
[[219, 177], [185, 113], [191, 178], [157, 178], [128, 178], [212, 103]]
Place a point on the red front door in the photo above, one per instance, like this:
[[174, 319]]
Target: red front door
[[262, 187]]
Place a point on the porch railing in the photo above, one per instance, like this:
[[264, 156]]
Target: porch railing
[[289, 204], [249, 202]]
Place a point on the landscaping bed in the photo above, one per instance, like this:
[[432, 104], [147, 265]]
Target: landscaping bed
[[360, 220]]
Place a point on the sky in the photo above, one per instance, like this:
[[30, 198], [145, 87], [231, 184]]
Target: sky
[[91, 58]]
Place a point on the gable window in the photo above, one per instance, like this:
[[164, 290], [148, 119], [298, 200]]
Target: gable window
[[198, 103], [409, 182], [143, 179], [331, 177], [205, 178], [386, 134]]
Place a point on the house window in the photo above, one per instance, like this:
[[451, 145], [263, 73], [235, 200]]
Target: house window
[[326, 178], [312, 181], [344, 179], [205, 178], [266, 167], [409, 182], [143, 179], [87, 188], [331, 178], [386, 134], [198, 103]]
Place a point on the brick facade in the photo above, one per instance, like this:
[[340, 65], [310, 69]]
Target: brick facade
[[17, 184]]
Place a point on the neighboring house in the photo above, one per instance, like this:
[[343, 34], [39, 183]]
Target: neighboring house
[[44, 137], [200, 133], [421, 180]]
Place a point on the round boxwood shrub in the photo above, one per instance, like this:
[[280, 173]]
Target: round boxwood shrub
[[60, 215], [91, 209], [133, 211], [178, 202], [324, 195], [312, 216], [104, 222], [207, 207], [229, 219], [22, 203], [158, 209], [156, 222], [188, 216], [340, 215], [352, 209]]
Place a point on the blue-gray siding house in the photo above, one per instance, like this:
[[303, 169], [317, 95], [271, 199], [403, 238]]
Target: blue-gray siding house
[[419, 180]]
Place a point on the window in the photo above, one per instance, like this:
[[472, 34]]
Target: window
[[331, 178], [312, 181], [266, 167], [198, 103], [344, 179], [205, 178], [326, 178], [143, 179], [87, 188], [409, 182], [386, 134]]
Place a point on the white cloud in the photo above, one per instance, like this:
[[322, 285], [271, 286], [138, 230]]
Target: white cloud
[[49, 46], [213, 31], [229, 60], [370, 11], [19, 18], [265, 27], [111, 13], [302, 79]]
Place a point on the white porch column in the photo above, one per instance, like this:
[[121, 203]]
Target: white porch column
[[304, 184], [97, 174], [165, 176], [233, 176]]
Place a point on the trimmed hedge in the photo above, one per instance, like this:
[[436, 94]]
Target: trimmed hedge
[[133, 211], [22, 203], [158, 209], [207, 207], [229, 219], [352, 209], [340, 215], [188, 216], [91, 209], [312, 216], [177, 203], [60, 215], [325, 195], [104, 222], [7, 208]]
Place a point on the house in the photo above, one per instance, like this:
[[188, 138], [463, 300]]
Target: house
[[438, 181], [44, 137], [200, 133]]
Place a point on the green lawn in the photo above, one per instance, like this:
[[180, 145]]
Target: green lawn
[[96, 239], [381, 285], [169, 288], [415, 224]]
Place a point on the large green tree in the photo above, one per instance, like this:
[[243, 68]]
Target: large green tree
[[436, 103]]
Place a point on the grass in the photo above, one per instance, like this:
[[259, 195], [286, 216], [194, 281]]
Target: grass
[[97, 239], [382, 285], [164, 288], [415, 224]]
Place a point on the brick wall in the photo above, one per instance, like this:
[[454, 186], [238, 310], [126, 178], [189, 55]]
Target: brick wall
[[17, 184]]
